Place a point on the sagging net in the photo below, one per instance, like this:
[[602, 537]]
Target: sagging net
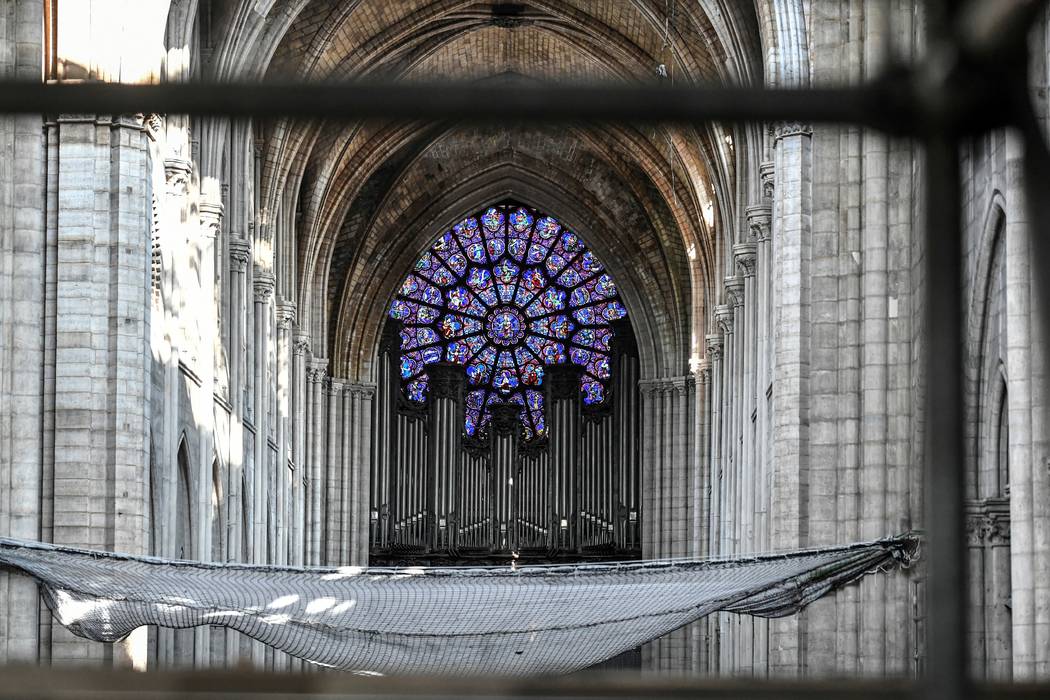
[[449, 620]]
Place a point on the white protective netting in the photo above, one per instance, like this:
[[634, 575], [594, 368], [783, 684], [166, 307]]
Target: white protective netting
[[518, 621]]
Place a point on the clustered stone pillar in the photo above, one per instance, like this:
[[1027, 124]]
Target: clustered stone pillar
[[668, 446]]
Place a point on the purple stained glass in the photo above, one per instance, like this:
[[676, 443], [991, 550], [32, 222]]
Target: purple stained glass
[[507, 293]]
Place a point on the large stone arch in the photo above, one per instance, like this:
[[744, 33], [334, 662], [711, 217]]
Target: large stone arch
[[363, 322]]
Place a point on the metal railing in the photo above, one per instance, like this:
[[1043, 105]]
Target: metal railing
[[973, 77]]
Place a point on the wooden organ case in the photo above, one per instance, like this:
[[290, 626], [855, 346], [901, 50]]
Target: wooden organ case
[[439, 496]]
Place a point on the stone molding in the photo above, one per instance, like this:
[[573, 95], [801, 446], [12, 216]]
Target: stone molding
[[724, 318], [759, 221], [786, 129], [734, 288], [744, 254], [663, 385]]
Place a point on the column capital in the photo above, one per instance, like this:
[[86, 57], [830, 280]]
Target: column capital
[[703, 371], [263, 284], [734, 287], [713, 345], [285, 314], [744, 255], [759, 220], [210, 214], [724, 318], [786, 129], [177, 173], [365, 391], [240, 254], [765, 173]]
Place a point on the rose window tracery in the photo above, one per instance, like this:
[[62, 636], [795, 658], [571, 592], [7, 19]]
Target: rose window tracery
[[507, 293]]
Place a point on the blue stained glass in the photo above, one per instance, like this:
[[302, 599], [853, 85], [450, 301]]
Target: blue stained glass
[[597, 338], [411, 312], [593, 392], [547, 228], [533, 280], [587, 264], [521, 220], [536, 253], [505, 380], [417, 390], [517, 247], [460, 299], [555, 262], [569, 278], [571, 243], [495, 243], [459, 351], [492, 219], [415, 336], [457, 262], [505, 324]]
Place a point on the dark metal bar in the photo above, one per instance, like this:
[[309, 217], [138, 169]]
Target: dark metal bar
[[946, 591], [869, 105]]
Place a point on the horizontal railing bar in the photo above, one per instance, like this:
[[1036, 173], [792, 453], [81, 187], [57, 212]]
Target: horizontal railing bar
[[876, 105]]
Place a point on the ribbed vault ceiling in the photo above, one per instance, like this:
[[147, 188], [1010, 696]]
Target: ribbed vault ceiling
[[653, 202]]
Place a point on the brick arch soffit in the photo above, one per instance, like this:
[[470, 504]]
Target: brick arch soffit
[[992, 236], [363, 323]]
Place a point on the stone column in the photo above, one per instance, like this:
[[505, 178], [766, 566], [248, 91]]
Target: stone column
[[286, 312], [334, 486], [207, 321], [714, 345], [792, 208], [27, 338], [300, 353], [240, 254], [316, 460], [758, 218], [263, 288], [727, 512], [362, 450]]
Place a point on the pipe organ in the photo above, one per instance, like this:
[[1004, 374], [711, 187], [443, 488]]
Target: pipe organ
[[441, 496]]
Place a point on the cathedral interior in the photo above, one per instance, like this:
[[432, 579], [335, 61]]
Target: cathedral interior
[[400, 342]]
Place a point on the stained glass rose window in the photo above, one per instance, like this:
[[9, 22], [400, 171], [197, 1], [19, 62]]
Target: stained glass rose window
[[507, 293]]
